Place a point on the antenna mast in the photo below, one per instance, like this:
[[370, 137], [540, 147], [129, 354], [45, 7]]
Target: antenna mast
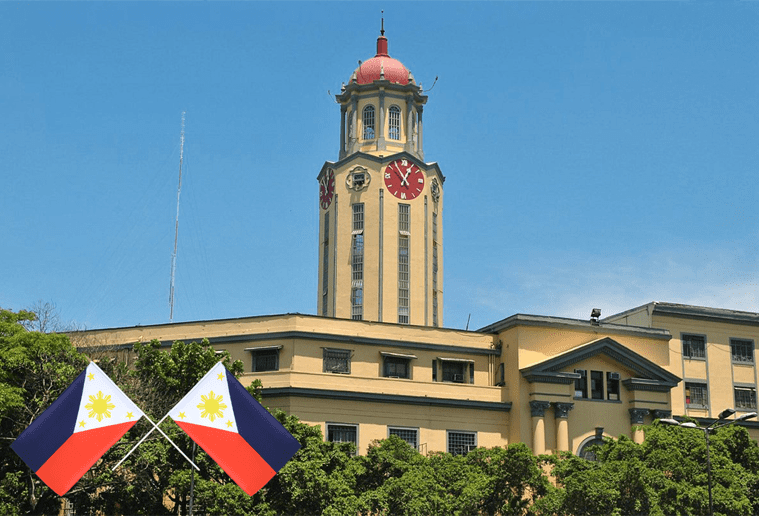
[[176, 224]]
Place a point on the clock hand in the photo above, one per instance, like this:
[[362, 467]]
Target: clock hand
[[405, 178]]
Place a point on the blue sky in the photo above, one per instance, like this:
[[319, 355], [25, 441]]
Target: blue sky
[[596, 154]]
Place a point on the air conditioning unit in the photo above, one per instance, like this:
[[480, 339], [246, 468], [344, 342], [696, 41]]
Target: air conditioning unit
[[458, 378], [613, 376]]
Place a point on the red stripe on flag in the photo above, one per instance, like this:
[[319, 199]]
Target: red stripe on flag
[[77, 455], [233, 453]]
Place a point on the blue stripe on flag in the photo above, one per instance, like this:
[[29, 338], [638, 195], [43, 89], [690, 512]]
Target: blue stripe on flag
[[259, 428], [50, 430]]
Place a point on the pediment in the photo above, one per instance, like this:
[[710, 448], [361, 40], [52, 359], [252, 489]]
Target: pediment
[[647, 374]]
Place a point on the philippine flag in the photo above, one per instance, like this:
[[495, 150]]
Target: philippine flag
[[242, 437], [76, 430]]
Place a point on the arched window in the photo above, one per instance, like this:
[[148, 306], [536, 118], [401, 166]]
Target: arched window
[[369, 123], [587, 448], [394, 124]]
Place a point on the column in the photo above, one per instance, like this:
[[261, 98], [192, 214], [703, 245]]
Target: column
[[409, 129], [636, 419], [353, 135], [538, 411], [381, 122], [419, 148], [561, 413], [343, 142]]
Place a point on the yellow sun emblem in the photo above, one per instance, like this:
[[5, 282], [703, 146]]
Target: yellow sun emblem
[[99, 407], [212, 407]]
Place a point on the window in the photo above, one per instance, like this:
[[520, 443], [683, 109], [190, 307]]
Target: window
[[587, 449], [410, 435], [325, 266], [581, 384], [265, 359], [742, 351], [696, 395], [396, 367], [461, 443], [694, 346], [394, 123], [357, 263], [612, 386], [745, 398], [597, 385], [369, 123], [342, 434], [337, 361], [453, 371], [403, 263]]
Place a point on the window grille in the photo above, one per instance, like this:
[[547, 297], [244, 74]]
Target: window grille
[[403, 264], [742, 351], [597, 385], [694, 346], [453, 371], [745, 398], [343, 434], [581, 384], [396, 367], [369, 123], [394, 123], [266, 360], [461, 443], [337, 361], [410, 435], [696, 395], [612, 386], [357, 263]]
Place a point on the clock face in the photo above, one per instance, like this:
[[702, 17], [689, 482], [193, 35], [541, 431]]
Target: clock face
[[404, 179], [327, 188]]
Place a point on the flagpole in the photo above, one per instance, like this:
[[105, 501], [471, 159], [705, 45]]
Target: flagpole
[[192, 478], [155, 427]]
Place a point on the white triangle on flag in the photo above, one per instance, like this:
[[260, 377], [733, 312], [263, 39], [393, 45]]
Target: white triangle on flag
[[103, 403], [208, 403]]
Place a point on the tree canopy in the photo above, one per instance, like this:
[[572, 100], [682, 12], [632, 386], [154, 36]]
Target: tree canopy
[[665, 474]]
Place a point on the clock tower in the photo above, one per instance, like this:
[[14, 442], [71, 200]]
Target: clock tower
[[381, 204]]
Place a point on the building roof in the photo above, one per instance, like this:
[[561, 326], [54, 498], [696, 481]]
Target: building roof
[[693, 312], [382, 67], [576, 324]]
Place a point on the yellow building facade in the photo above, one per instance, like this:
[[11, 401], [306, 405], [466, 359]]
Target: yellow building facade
[[376, 360]]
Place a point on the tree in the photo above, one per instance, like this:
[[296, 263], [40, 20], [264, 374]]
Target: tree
[[35, 368], [666, 474]]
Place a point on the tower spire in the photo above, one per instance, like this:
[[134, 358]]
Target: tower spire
[[382, 40]]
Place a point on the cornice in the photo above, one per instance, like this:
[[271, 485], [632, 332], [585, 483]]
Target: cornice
[[427, 167], [384, 398], [574, 324]]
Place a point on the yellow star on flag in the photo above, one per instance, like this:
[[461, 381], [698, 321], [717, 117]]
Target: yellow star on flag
[[221, 376], [182, 415], [82, 423], [229, 424], [91, 376], [129, 415]]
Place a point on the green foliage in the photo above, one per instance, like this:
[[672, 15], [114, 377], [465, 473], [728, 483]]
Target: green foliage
[[666, 474], [35, 368]]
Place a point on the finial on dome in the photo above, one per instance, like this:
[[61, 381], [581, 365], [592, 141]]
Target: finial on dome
[[382, 40]]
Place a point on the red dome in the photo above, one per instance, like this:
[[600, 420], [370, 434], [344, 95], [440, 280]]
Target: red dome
[[382, 63]]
